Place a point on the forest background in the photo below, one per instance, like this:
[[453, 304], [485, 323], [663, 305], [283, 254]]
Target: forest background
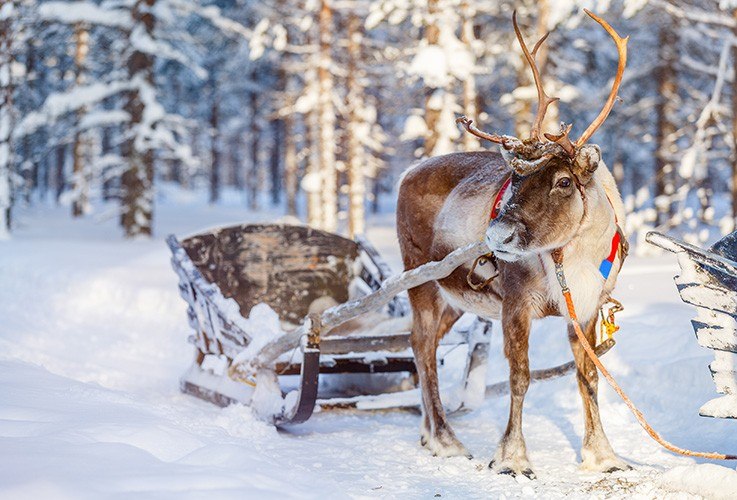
[[314, 108]]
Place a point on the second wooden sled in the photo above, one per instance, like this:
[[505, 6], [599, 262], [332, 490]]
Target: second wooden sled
[[227, 274], [708, 281]]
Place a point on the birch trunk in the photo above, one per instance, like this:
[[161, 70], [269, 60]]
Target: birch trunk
[[312, 183], [355, 160], [80, 173], [433, 96], [470, 141], [327, 120]]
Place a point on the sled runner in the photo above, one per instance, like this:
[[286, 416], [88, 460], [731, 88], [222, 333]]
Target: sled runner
[[708, 280], [246, 283]]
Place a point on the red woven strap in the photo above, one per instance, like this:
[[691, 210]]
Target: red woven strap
[[496, 207]]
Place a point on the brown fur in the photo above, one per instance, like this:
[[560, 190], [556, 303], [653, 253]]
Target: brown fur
[[444, 203]]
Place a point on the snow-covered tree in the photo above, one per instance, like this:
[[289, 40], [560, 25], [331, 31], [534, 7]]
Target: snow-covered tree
[[8, 17]]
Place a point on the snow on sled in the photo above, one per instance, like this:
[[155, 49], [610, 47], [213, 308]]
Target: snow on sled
[[708, 280], [247, 283]]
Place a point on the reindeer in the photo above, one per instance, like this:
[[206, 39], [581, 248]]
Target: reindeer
[[549, 198]]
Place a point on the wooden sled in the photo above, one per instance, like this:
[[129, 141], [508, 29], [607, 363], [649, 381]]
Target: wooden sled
[[226, 275], [708, 280]]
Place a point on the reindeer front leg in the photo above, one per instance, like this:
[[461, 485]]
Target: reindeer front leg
[[511, 454], [596, 452]]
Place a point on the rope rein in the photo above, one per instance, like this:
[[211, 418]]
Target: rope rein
[[560, 274]]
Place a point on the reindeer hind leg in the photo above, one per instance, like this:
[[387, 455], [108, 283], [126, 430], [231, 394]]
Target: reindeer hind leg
[[432, 318]]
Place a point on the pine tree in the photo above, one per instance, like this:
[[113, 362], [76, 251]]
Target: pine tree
[[138, 180], [9, 11]]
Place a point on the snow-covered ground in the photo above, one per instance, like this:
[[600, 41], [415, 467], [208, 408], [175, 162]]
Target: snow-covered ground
[[93, 341]]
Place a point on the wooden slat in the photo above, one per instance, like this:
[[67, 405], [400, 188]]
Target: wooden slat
[[709, 297], [705, 257], [726, 381], [714, 336], [343, 345]]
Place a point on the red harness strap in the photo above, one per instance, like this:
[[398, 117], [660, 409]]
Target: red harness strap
[[605, 268], [606, 265], [496, 207]]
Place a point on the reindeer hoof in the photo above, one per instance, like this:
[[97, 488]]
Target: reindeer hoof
[[445, 446], [606, 463], [513, 468], [618, 468], [509, 471]]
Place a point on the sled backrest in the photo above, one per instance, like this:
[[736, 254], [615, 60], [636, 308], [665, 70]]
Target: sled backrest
[[290, 268]]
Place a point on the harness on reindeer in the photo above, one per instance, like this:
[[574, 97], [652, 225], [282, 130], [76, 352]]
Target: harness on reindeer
[[619, 248], [533, 154]]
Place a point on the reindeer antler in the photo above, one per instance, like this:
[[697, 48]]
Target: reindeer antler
[[562, 139], [506, 141], [543, 100], [527, 156], [622, 51], [471, 128]]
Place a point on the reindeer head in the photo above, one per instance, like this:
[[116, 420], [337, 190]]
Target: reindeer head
[[546, 202]]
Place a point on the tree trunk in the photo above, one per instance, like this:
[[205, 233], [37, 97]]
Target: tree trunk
[[355, 153], [80, 175], [666, 111], [734, 129], [290, 164], [470, 96], [252, 180], [275, 161], [6, 118], [44, 166], [235, 177], [106, 147], [327, 121], [137, 180], [31, 172], [433, 96], [177, 175], [214, 145], [312, 182], [61, 157]]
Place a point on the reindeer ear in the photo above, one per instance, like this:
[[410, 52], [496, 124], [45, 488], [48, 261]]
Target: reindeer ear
[[586, 162]]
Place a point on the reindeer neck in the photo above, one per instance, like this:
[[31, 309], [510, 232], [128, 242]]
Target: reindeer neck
[[583, 255], [593, 239]]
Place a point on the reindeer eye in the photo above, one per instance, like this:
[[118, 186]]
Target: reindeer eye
[[564, 182]]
